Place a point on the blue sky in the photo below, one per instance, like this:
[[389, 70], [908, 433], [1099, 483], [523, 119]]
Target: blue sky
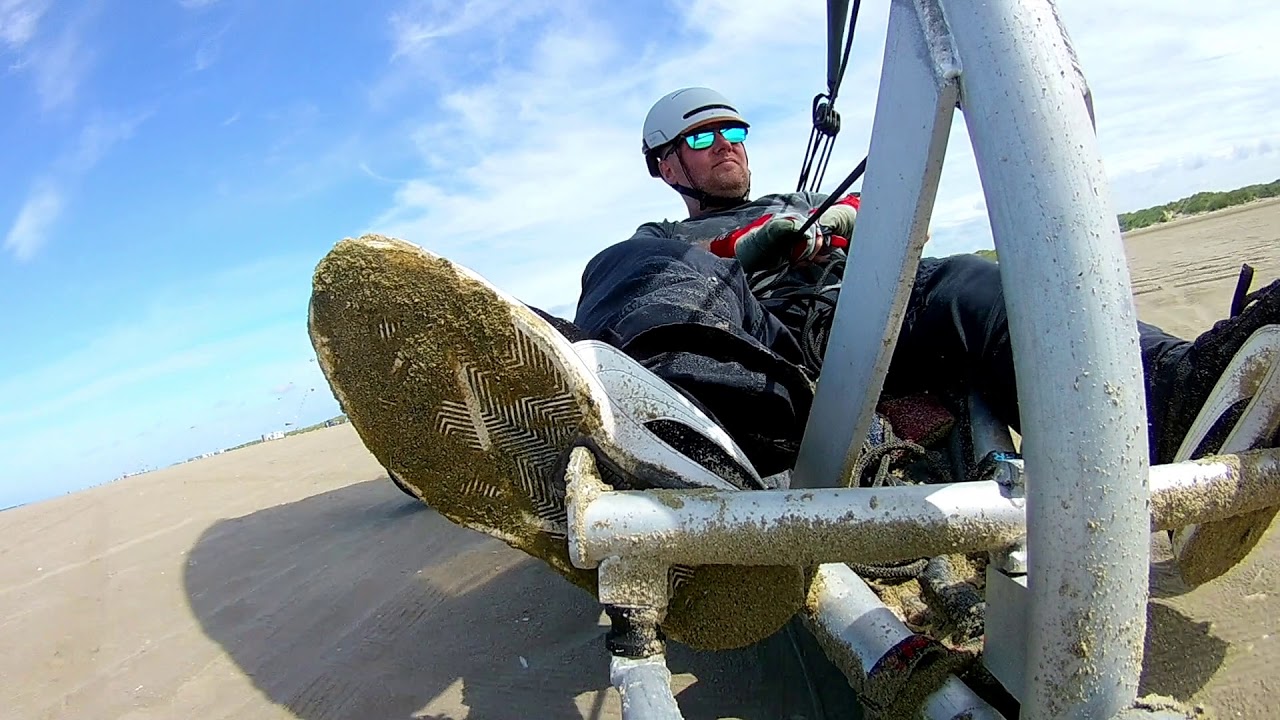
[[173, 170]]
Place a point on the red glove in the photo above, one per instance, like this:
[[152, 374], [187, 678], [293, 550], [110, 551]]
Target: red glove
[[770, 239]]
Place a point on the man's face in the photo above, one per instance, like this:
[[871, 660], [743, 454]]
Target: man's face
[[720, 169]]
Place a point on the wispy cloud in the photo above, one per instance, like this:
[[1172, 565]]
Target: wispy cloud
[[98, 136], [47, 199], [529, 160], [59, 67], [56, 59], [205, 352], [421, 24], [19, 20], [31, 228], [197, 4], [209, 49]]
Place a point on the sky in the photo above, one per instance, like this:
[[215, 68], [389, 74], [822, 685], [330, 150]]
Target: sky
[[173, 170]]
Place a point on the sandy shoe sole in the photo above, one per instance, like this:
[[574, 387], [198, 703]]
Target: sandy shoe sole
[[474, 401], [465, 395]]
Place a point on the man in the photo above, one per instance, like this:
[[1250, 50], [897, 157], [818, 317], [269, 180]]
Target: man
[[474, 400]]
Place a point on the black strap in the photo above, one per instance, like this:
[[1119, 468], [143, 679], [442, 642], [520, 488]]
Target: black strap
[[1241, 297], [706, 201]]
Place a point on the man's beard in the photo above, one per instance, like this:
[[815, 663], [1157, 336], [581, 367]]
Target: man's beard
[[728, 184]]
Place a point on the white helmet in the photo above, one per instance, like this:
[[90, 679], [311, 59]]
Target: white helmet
[[678, 111]]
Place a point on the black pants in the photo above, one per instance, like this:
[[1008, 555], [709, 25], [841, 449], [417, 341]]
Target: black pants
[[690, 317]]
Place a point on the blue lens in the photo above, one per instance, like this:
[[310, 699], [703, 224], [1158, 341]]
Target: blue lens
[[704, 140]]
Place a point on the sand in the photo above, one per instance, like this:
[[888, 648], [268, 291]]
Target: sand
[[292, 579]]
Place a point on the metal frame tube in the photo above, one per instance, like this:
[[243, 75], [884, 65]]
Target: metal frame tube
[[1073, 328], [793, 527], [917, 100], [855, 629], [1214, 488], [644, 685], [647, 530]]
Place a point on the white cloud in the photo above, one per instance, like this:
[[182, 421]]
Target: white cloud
[[97, 137], [422, 23], [209, 49], [217, 324], [19, 20], [197, 4], [56, 60], [48, 198], [529, 158], [30, 229], [59, 68]]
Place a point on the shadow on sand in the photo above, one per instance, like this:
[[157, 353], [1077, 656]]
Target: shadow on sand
[[361, 603]]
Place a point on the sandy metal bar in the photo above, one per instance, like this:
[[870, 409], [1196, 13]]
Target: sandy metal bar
[[795, 527], [1073, 328], [806, 527], [644, 685], [856, 630], [1214, 488]]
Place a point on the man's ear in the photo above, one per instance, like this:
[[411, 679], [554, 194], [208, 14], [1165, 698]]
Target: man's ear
[[667, 167]]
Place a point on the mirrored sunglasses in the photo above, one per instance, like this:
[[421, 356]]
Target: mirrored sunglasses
[[703, 140]]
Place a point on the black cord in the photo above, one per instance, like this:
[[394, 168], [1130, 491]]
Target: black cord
[[835, 196], [826, 121]]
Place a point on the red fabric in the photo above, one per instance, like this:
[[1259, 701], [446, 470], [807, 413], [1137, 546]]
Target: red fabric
[[724, 245], [919, 418], [852, 200]]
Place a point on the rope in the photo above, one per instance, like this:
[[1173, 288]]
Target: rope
[[826, 121]]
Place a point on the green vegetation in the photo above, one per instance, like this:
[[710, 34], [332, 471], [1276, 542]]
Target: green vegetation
[[1201, 202]]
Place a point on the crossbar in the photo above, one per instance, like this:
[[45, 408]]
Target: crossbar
[[808, 527]]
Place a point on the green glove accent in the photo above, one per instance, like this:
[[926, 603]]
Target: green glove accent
[[840, 219], [770, 245]]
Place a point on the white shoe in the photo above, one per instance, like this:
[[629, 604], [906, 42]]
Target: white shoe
[[1252, 380]]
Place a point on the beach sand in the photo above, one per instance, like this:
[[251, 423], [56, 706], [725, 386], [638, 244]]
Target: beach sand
[[291, 579]]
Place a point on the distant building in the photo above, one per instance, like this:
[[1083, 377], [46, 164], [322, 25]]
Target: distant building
[[276, 435]]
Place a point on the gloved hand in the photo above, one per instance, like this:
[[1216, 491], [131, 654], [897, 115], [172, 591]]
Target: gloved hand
[[774, 239], [840, 217]]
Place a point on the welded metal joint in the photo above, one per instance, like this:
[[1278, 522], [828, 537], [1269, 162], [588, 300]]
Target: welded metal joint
[[583, 485], [937, 36]]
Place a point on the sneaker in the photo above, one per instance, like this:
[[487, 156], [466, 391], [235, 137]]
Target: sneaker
[[1185, 377], [474, 401], [1222, 395], [1242, 413]]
